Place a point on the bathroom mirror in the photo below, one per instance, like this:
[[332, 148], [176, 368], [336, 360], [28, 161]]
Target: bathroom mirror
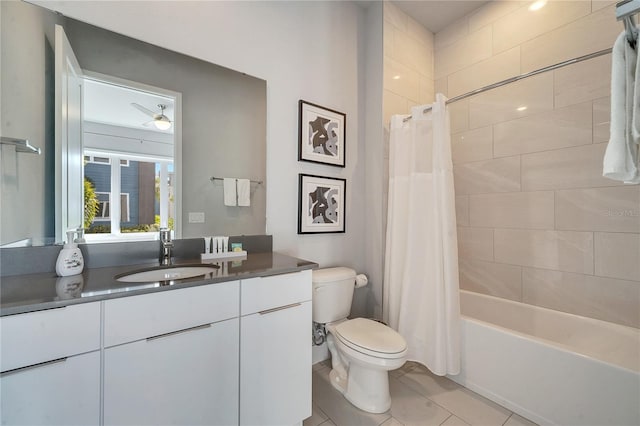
[[222, 121]]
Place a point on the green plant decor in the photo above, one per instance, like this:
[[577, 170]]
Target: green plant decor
[[91, 203]]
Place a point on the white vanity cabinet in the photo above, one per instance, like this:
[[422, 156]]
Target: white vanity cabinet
[[275, 356], [229, 353], [50, 363], [171, 358]]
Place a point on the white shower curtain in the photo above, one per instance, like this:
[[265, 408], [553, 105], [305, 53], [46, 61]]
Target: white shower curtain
[[421, 298]]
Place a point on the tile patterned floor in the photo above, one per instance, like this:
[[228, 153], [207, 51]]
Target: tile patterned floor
[[417, 398]]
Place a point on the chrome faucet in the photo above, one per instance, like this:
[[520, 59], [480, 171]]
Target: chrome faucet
[[165, 246]]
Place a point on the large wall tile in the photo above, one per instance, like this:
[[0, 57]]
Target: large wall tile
[[395, 16], [394, 104], [595, 297], [584, 81], [615, 209], [599, 4], [462, 210], [401, 79], [497, 68], [459, 115], [526, 97], [427, 94], [522, 24], [441, 86], [578, 167], [529, 210], [618, 255], [491, 278], [472, 145], [601, 119], [388, 33], [467, 51], [492, 11], [475, 243], [421, 34], [499, 175], [413, 54], [594, 32], [453, 33], [561, 128], [558, 250]]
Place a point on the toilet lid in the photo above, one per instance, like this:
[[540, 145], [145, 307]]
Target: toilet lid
[[372, 337]]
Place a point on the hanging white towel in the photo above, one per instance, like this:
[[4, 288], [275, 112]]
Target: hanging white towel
[[230, 194], [621, 157], [244, 192]]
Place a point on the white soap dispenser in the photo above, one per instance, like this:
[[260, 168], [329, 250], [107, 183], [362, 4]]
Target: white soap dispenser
[[70, 260]]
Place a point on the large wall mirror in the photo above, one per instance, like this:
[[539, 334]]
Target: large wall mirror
[[151, 126]]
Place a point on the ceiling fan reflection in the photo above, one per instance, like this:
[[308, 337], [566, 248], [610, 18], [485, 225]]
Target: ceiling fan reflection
[[159, 120]]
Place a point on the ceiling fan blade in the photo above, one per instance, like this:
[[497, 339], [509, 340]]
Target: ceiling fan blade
[[148, 123], [143, 110]]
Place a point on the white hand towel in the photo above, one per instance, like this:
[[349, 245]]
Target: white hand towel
[[230, 194], [621, 157], [244, 192]]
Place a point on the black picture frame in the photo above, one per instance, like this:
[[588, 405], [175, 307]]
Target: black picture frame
[[321, 204], [321, 134]]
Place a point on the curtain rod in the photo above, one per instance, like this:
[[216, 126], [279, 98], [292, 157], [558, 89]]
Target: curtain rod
[[522, 76], [627, 8], [624, 12]]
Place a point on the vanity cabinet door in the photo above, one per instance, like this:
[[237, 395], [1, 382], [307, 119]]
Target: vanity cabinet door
[[275, 365], [60, 392], [184, 377]]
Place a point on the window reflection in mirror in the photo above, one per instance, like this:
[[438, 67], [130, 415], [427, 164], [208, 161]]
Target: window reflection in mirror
[[128, 159]]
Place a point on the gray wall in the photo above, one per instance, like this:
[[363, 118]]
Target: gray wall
[[26, 111], [224, 122]]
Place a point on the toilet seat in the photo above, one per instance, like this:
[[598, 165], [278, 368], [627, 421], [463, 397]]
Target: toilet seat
[[371, 338]]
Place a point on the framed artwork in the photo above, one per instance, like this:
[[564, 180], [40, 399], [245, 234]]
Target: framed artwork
[[321, 204], [322, 134]]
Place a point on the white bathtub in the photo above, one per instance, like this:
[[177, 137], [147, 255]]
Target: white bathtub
[[551, 367]]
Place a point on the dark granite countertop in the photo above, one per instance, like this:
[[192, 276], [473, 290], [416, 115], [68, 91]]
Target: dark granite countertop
[[34, 292]]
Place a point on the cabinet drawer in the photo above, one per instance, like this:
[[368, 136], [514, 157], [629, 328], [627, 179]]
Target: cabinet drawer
[[259, 294], [138, 317], [36, 337]]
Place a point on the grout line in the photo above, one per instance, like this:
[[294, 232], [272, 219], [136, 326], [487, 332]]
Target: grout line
[[593, 251], [522, 284], [445, 420], [505, 422], [572, 188], [493, 244]]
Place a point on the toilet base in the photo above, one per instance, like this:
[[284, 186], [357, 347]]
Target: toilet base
[[365, 388]]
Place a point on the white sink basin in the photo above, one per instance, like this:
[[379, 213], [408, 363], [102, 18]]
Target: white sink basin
[[169, 273]]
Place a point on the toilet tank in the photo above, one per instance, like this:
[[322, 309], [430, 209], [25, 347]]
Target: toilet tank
[[332, 293]]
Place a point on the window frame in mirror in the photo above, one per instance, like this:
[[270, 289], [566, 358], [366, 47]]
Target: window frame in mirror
[[177, 158]]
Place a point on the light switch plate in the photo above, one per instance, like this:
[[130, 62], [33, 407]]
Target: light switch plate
[[196, 217]]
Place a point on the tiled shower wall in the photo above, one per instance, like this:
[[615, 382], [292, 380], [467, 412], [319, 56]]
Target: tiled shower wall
[[408, 77], [537, 222], [408, 63]]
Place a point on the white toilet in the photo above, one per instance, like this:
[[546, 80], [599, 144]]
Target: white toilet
[[363, 351]]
